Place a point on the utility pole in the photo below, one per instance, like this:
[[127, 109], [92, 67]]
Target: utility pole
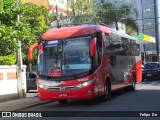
[[156, 27], [144, 47], [20, 82], [57, 16]]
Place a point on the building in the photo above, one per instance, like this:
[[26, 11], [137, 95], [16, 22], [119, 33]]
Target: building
[[44, 3], [62, 5], [148, 21]]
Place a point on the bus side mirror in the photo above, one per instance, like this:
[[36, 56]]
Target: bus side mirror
[[93, 47], [30, 50]]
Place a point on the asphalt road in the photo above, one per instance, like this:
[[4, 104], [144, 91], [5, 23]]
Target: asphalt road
[[140, 104]]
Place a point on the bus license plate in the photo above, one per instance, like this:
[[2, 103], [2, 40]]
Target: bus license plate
[[62, 95]]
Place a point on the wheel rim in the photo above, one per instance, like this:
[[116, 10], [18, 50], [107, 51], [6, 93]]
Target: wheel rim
[[133, 83], [107, 92]]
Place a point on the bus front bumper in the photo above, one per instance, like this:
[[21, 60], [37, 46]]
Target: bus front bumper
[[87, 92]]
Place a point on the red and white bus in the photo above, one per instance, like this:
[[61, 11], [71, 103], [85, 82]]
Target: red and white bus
[[87, 61]]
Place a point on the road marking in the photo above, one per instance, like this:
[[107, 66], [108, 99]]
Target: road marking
[[154, 83], [141, 88]]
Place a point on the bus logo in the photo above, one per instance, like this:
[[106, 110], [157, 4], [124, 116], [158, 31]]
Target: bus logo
[[62, 88]]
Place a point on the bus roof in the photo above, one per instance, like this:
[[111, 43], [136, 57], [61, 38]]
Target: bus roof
[[81, 30], [74, 31], [124, 35]]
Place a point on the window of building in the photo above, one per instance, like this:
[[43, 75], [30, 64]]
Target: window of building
[[61, 1], [69, 2]]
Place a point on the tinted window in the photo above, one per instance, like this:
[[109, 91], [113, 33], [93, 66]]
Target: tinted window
[[32, 75], [151, 65], [117, 45], [114, 45]]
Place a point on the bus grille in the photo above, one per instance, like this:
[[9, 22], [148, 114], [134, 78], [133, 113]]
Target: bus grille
[[61, 88]]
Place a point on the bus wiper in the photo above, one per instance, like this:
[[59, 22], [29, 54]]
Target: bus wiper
[[83, 73]]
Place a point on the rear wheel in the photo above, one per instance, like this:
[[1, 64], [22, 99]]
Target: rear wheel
[[133, 86], [107, 94], [62, 101], [27, 89]]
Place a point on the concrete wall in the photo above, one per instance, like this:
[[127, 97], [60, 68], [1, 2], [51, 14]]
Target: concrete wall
[[8, 82]]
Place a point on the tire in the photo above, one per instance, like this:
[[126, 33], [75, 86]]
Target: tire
[[133, 86], [62, 101], [107, 94], [27, 90]]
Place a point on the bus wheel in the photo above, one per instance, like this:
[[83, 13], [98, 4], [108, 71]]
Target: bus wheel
[[62, 101], [107, 94], [133, 86]]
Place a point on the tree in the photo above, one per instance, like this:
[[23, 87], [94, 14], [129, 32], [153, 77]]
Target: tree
[[33, 19], [1, 5], [82, 12], [110, 14]]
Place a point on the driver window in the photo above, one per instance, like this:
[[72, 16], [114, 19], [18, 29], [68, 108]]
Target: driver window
[[99, 47]]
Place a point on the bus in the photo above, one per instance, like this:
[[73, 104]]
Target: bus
[[86, 61]]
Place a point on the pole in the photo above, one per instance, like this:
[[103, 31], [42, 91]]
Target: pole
[[17, 6], [20, 82], [156, 28], [57, 16], [144, 47]]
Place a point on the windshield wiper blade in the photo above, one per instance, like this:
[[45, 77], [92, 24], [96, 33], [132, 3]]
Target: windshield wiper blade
[[83, 73]]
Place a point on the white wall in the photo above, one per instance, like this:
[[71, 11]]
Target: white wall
[[8, 82]]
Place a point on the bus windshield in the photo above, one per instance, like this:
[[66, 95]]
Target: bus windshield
[[64, 57]]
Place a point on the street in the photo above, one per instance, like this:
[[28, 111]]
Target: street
[[145, 98]]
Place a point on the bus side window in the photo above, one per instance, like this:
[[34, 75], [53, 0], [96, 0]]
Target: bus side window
[[99, 46], [131, 48], [107, 44], [137, 49], [128, 47], [116, 45], [124, 44]]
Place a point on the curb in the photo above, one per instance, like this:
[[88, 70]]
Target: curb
[[30, 106]]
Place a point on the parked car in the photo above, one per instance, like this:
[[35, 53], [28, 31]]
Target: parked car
[[31, 81], [151, 70]]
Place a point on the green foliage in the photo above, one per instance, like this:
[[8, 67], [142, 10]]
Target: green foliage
[[8, 43], [83, 11], [33, 20], [8, 60], [108, 13], [9, 13], [1, 5]]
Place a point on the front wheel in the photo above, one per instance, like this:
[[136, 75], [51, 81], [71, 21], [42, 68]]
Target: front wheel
[[62, 101], [107, 94], [133, 86]]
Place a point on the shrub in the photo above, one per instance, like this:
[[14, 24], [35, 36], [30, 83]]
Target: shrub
[[8, 60]]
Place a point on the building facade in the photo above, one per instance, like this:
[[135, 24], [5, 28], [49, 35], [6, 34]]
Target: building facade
[[148, 20], [62, 5]]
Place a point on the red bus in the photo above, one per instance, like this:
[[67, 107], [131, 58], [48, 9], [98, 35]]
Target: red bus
[[87, 61]]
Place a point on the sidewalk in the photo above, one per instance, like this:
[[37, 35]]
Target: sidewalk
[[19, 104]]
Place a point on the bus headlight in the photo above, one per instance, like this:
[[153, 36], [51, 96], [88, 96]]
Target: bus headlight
[[42, 86], [85, 84]]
